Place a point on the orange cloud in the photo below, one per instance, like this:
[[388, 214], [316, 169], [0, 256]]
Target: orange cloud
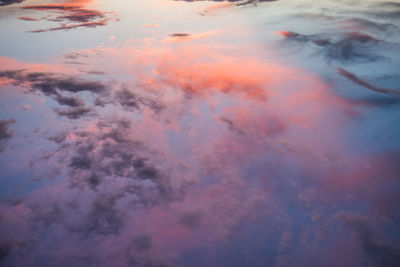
[[150, 26]]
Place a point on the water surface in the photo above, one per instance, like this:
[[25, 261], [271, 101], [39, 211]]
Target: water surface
[[199, 133]]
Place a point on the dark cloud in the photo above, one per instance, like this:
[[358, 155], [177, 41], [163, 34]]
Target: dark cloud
[[99, 158], [77, 15], [74, 26], [240, 2], [142, 242], [302, 38], [5, 132], [190, 219], [65, 89], [73, 113], [52, 84], [52, 7], [11, 74], [133, 101], [180, 34], [81, 15], [69, 101], [81, 160], [103, 218], [354, 78], [150, 262], [376, 101], [352, 48], [128, 99], [69, 85], [5, 250], [60, 88], [380, 252], [355, 47], [252, 2], [9, 2], [231, 125], [58, 138], [47, 215]]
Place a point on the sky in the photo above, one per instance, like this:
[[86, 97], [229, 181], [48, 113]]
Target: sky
[[174, 133]]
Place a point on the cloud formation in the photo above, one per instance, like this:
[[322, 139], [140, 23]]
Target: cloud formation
[[73, 12], [244, 149], [10, 2], [5, 132]]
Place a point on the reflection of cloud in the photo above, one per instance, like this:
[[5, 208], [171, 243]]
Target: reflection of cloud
[[227, 3], [142, 242], [181, 37], [74, 26], [386, 10], [352, 48], [72, 12], [215, 7], [381, 253], [191, 147], [194, 76], [28, 18], [58, 87], [352, 77], [131, 101], [5, 132], [190, 219], [9, 2], [73, 113], [150, 26], [240, 2]]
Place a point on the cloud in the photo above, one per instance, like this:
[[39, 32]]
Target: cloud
[[28, 18], [150, 26], [385, 10], [5, 132], [9, 2], [73, 113], [69, 101], [380, 253], [180, 34], [241, 2], [5, 250], [52, 84], [190, 219], [72, 12], [352, 48], [301, 38], [242, 149], [181, 37], [74, 26], [61, 88], [132, 101], [232, 126], [103, 218], [142, 242], [352, 77], [58, 138], [197, 78]]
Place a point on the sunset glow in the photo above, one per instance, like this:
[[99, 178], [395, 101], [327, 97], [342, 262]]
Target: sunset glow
[[245, 133]]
